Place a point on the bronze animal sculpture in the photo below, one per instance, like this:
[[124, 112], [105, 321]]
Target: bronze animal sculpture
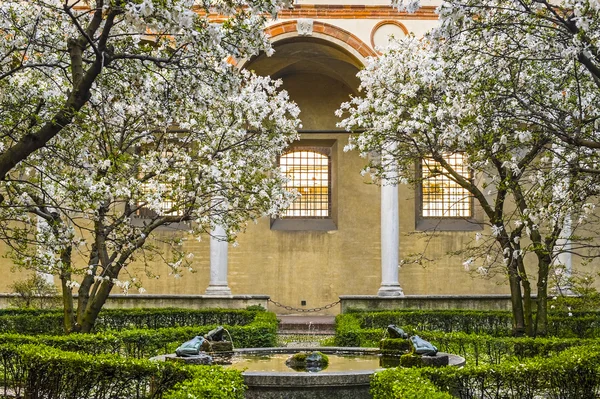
[[396, 332], [191, 347], [423, 347]]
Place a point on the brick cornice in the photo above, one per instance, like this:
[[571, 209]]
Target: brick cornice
[[335, 11]]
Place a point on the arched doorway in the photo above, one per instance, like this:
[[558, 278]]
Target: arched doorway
[[310, 257]]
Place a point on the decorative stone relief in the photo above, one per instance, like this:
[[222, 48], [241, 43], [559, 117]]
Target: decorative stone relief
[[380, 36], [305, 27]]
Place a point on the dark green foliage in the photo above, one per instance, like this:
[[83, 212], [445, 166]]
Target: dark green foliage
[[145, 343], [367, 328], [411, 360], [51, 322], [37, 371], [212, 383], [484, 349], [395, 346], [349, 333], [119, 319], [404, 383], [571, 374], [32, 322], [496, 323]]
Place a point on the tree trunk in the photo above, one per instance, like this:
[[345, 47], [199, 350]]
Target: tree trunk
[[87, 283], [527, 308], [94, 307], [517, 302], [69, 324], [542, 295], [67, 300], [527, 302]]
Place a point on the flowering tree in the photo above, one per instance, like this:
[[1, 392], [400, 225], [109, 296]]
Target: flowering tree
[[125, 117], [52, 53], [514, 86]]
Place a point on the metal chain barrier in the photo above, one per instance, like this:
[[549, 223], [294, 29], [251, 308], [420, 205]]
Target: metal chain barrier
[[303, 310]]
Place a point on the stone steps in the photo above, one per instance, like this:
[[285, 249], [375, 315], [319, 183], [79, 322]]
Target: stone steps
[[306, 325]]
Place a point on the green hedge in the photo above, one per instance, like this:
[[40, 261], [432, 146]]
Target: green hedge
[[485, 349], [145, 343], [51, 322], [404, 383], [36, 371], [573, 373], [365, 328], [212, 383], [496, 323]]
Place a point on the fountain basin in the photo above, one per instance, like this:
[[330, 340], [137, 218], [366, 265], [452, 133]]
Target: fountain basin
[[331, 383], [347, 377]]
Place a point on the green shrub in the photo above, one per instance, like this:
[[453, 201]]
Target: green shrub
[[210, 383], [411, 360], [404, 383], [37, 371], [120, 319], [349, 333], [574, 373], [367, 328], [485, 349], [51, 322], [145, 343], [391, 346], [496, 323]]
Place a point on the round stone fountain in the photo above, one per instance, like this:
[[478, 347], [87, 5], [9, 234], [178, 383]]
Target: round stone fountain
[[347, 376]]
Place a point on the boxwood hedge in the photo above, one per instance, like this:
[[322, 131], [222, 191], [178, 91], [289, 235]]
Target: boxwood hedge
[[145, 343], [37, 371], [573, 373], [366, 328], [51, 321]]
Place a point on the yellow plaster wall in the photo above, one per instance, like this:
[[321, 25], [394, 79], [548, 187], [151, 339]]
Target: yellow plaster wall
[[318, 266], [8, 274]]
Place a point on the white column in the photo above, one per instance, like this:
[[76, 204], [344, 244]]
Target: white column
[[218, 259], [389, 229]]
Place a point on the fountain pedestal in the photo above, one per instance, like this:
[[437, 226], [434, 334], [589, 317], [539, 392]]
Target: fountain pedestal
[[201, 358]]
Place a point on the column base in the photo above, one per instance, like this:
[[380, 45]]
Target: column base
[[390, 290], [218, 290]]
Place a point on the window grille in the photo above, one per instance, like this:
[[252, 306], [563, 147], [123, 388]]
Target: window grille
[[441, 196], [309, 173], [166, 205]]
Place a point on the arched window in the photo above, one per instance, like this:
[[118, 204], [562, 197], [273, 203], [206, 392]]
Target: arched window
[[309, 173]]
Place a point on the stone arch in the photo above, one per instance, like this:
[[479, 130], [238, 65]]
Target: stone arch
[[343, 38]]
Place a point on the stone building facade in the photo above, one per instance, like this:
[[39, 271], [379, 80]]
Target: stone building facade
[[350, 235]]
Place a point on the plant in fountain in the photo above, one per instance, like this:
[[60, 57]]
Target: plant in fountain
[[308, 361]]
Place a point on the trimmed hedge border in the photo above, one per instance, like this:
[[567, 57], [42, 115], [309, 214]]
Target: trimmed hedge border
[[145, 343], [30, 321], [367, 328], [573, 373], [484, 349], [37, 371]]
